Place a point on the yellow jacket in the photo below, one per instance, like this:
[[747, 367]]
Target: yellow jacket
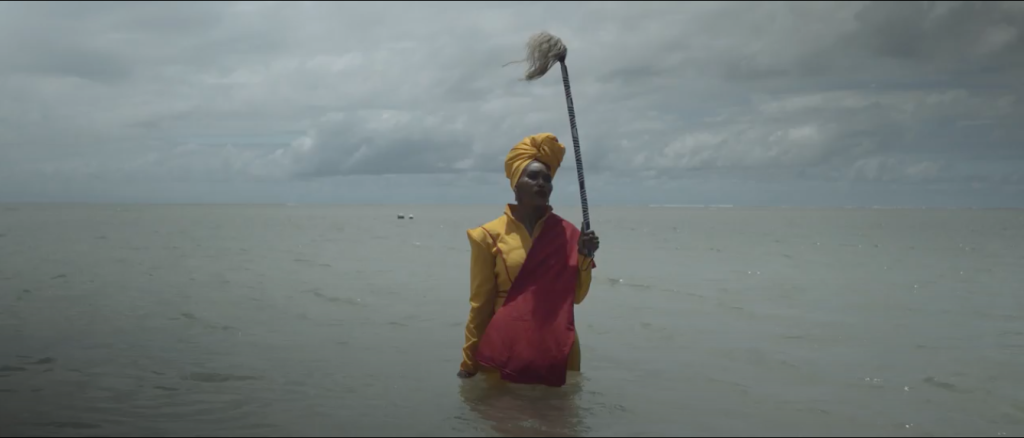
[[492, 270]]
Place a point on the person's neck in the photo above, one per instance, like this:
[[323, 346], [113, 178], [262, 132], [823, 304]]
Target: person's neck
[[529, 215]]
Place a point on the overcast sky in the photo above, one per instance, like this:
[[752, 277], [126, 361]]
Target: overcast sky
[[915, 103]]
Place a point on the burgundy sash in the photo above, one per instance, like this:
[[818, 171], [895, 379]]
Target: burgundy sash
[[529, 338]]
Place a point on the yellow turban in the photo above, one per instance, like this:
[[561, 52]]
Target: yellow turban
[[540, 147]]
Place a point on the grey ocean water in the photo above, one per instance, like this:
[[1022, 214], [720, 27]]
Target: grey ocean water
[[286, 321]]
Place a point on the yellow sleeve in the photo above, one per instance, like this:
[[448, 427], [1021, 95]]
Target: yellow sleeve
[[583, 282], [483, 291]]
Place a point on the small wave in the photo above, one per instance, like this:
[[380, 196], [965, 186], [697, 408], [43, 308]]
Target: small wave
[[622, 282], [73, 425], [346, 300], [936, 383], [216, 377]]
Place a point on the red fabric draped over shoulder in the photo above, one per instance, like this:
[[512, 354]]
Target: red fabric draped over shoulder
[[529, 338]]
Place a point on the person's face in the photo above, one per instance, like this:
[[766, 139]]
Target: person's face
[[534, 186]]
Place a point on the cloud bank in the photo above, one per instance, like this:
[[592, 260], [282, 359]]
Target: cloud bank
[[247, 99]]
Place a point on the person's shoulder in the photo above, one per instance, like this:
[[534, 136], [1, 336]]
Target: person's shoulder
[[484, 233], [569, 226], [494, 226]]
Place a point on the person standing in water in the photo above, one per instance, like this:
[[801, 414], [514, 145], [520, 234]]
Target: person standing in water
[[528, 268]]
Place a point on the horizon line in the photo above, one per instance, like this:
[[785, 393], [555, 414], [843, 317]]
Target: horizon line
[[480, 204]]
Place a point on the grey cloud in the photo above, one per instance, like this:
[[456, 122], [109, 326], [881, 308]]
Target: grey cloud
[[343, 144], [897, 92], [943, 34], [373, 143]]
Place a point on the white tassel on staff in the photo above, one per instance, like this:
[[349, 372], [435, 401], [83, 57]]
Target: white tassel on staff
[[543, 51]]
